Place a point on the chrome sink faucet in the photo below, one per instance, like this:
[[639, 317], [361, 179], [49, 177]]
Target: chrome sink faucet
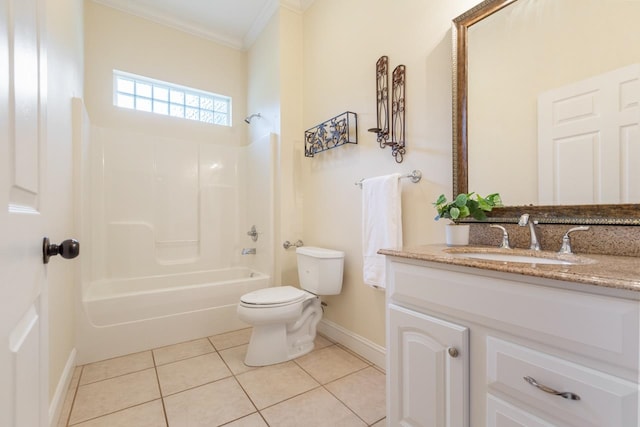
[[566, 239], [505, 236], [535, 242]]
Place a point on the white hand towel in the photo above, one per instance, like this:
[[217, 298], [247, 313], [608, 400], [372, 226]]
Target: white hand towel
[[381, 225]]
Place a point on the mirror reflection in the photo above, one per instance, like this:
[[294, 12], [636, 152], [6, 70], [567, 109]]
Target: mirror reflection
[[554, 102]]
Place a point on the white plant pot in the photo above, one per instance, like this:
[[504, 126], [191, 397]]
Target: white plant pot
[[457, 234]]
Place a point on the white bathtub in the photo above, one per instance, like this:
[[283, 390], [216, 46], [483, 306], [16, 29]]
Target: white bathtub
[[130, 315]]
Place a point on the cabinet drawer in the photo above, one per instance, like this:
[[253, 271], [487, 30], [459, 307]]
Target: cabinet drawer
[[503, 414], [604, 400]]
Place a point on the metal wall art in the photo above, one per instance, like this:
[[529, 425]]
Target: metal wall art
[[395, 139], [340, 130]]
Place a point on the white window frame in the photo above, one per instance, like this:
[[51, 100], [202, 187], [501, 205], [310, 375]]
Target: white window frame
[[155, 96]]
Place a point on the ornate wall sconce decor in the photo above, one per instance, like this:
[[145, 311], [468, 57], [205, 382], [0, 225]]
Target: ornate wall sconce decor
[[339, 130], [395, 139]]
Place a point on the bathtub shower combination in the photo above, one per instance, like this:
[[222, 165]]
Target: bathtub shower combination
[[129, 315], [163, 224]]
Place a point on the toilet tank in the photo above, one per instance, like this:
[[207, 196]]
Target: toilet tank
[[320, 270]]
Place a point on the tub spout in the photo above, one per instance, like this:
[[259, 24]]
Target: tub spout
[[248, 251]]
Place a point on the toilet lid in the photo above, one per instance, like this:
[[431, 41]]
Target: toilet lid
[[275, 295]]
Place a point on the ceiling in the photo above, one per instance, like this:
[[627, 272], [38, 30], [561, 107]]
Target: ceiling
[[235, 23]]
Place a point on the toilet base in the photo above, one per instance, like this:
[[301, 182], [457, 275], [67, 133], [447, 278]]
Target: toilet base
[[280, 342]]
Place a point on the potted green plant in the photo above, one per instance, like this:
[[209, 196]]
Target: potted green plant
[[464, 205]]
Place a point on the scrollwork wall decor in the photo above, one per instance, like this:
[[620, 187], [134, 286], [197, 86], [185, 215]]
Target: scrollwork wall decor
[[382, 101], [339, 130], [397, 113], [398, 82]]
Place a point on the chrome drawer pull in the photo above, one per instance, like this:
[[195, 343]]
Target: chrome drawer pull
[[565, 394]]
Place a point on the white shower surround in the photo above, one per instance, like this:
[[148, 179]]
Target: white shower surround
[[163, 222]]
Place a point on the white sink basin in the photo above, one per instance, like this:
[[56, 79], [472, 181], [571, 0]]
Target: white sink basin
[[506, 256]]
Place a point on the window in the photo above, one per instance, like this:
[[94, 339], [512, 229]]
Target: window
[[154, 96]]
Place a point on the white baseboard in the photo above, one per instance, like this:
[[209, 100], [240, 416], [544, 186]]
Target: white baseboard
[[371, 351], [61, 389]]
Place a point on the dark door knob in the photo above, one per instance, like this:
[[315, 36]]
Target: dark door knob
[[68, 249]]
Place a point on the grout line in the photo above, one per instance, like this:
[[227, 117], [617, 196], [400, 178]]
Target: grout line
[[213, 350], [164, 408], [368, 362], [121, 409], [182, 360], [345, 405], [179, 343], [116, 376], [248, 397], [242, 417], [292, 397], [263, 418], [196, 386], [225, 363], [75, 394], [377, 421], [113, 412], [119, 375], [226, 333]]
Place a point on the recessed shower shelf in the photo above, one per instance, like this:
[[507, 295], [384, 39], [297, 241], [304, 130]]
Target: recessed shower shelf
[[339, 130]]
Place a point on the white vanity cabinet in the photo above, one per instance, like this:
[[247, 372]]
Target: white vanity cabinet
[[528, 351]]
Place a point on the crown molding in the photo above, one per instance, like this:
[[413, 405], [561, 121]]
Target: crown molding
[[259, 24], [298, 6]]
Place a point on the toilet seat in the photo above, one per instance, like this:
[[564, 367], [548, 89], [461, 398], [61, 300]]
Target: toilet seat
[[273, 297]]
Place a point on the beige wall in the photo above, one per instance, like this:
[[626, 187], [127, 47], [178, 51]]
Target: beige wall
[[65, 76], [116, 40], [291, 137], [342, 42], [275, 90]]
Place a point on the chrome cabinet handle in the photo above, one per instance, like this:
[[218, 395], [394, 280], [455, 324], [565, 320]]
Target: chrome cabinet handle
[[565, 394]]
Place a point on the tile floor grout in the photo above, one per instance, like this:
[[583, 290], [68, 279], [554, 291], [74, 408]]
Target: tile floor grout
[[164, 408], [231, 374]]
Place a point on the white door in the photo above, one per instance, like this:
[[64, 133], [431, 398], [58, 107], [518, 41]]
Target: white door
[[589, 140], [23, 298], [429, 371]]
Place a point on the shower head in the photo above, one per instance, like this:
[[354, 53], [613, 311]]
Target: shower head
[[249, 118]]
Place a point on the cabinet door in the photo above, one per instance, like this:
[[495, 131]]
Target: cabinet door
[[427, 371]]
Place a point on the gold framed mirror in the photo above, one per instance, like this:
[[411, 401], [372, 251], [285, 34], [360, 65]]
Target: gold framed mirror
[[623, 214]]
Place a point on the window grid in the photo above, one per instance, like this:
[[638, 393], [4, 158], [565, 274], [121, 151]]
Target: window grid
[[154, 96]]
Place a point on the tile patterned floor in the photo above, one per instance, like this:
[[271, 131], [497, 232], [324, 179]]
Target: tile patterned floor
[[205, 383]]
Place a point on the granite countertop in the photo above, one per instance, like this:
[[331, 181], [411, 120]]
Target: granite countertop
[[620, 272]]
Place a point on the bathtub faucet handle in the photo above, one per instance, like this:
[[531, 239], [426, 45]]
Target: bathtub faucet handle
[[253, 233], [248, 251]]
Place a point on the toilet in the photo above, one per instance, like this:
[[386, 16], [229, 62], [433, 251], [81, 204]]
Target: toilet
[[284, 318]]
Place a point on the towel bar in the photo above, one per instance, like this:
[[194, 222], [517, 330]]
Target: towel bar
[[415, 176]]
